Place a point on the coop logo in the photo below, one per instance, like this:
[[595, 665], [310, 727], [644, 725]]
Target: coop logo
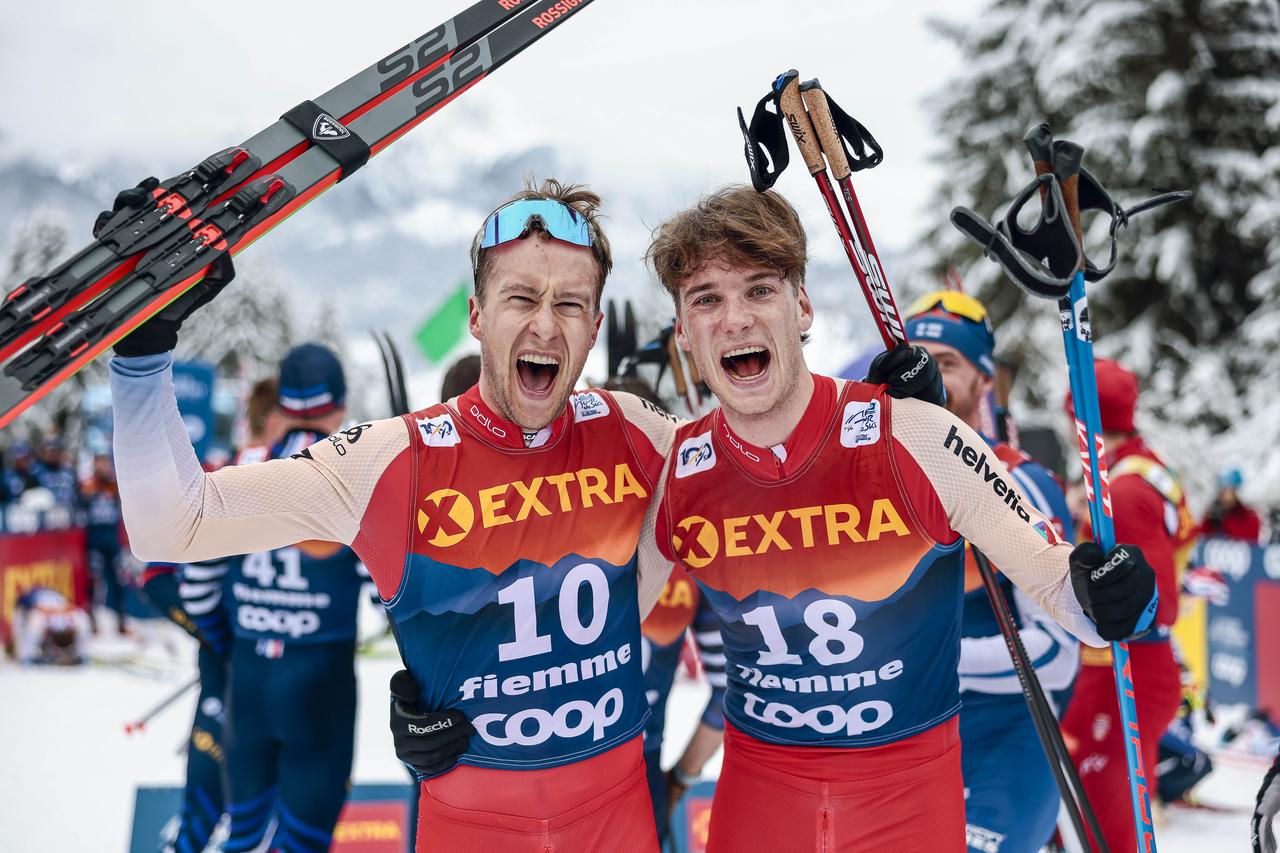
[[535, 726], [446, 516], [861, 424], [589, 406], [438, 431], [980, 465], [698, 540], [825, 719], [695, 454], [295, 623], [328, 128]]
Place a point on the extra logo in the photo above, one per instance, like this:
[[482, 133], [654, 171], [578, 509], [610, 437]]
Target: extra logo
[[981, 465], [589, 406], [329, 128], [861, 424], [447, 516], [438, 431], [697, 540], [695, 454]]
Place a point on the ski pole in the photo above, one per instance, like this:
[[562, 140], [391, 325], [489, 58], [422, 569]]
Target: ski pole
[[858, 244], [792, 106], [141, 723], [1077, 339], [1079, 810]]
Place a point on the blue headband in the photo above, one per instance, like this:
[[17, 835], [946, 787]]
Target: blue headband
[[974, 340]]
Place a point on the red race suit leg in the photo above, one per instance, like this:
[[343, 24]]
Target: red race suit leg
[[601, 803], [1095, 736], [907, 795]]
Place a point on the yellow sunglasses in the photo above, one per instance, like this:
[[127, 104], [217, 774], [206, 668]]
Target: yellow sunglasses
[[951, 301]]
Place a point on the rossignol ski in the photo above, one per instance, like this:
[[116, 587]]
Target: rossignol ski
[[146, 255]]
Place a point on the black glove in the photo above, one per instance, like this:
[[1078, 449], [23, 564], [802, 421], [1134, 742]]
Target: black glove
[[429, 742], [909, 371], [132, 197], [160, 333], [1117, 590], [1264, 838]]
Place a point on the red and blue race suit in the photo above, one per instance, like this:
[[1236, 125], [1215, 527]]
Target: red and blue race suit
[[508, 563], [835, 564]]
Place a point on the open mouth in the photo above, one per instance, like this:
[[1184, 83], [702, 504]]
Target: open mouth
[[745, 363], [537, 373]]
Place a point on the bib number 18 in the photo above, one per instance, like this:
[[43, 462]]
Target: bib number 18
[[831, 622], [520, 595]]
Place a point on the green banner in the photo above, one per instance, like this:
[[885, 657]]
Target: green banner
[[440, 333]]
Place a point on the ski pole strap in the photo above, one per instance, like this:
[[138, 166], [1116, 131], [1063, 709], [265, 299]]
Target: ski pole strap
[[837, 131], [1041, 260], [330, 135], [765, 143]]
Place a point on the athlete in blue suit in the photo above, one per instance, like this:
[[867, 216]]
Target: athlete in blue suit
[[1011, 801]]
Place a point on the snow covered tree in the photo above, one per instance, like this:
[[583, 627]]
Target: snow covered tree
[[245, 331], [1181, 94]]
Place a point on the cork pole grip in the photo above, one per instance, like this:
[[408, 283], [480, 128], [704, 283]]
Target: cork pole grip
[[792, 106], [677, 365], [815, 101], [1067, 159]]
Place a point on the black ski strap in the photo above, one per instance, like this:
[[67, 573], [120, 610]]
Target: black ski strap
[[765, 142], [1094, 198], [867, 153], [1021, 252], [331, 135]]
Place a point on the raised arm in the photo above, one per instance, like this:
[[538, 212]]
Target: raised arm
[[176, 512], [982, 503]]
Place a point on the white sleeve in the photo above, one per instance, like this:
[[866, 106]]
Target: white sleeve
[[983, 505], [987, 667], [176, 512]]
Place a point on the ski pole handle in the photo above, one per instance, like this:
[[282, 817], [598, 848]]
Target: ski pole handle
[[824, 124], [1067, 158], [677, 365], [792, 107], [1039, 141]]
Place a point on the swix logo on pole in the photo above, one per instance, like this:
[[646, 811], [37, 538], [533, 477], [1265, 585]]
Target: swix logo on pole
[[328, 127], [871, 270], [1082, 442], [1103, 479]]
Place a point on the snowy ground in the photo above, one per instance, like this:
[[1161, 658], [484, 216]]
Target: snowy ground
[[68, 771]]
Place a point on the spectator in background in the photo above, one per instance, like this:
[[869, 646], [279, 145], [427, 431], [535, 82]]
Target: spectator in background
[[21, 475], [102, 523], [1228, 517], [47, 629], [56, 473], [461, 376], [266, 421]]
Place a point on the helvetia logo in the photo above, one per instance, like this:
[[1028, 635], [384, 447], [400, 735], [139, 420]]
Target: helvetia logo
[[695, 454], [327, 127], [980, 464]]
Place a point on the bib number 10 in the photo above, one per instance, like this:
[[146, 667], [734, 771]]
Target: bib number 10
[[831, 622], [520, 595]]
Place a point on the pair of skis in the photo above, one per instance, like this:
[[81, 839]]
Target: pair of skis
[[148, 253]]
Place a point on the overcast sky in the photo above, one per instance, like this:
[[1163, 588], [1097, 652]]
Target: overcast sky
[[641, 93]]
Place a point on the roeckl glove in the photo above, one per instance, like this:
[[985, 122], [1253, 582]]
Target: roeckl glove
[[909, 371], [1117, 590], [429, 742]]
